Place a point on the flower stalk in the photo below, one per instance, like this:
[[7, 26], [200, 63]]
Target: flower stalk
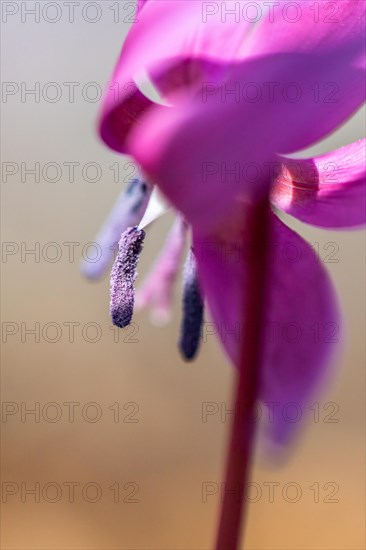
[[242, 436]]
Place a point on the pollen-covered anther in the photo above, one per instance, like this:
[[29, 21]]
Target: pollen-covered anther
[[193, 310], [123, 276]]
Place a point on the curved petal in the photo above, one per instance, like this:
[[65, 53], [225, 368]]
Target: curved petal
[[195, 160], [163, 35], [201, 153], [140, 4], [226, 32], [302, 320], [327, 191], [195, 41], [307, 27]]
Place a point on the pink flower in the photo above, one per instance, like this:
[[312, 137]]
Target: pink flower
[[240, 97]]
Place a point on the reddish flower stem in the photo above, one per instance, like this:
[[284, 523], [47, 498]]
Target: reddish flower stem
[[246, 386]]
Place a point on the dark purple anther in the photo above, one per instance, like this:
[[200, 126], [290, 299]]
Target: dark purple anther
[[123, 276], [191, 328]]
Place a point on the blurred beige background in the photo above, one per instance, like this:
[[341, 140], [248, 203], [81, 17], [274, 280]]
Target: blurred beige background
[[158, 451]]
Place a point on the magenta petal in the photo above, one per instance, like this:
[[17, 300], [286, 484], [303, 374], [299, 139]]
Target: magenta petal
[[194, 155], [302, 319], [325, 70], [140, 4], [303, 326], [172, 31], [327, 191], [164, 34], [308, 27], [227, 32], [204, 154]]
